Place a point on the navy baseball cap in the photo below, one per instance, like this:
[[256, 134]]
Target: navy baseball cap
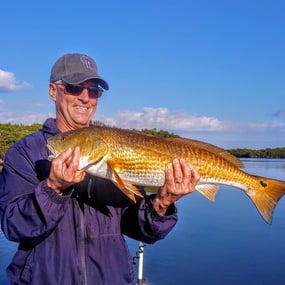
[[75, 68]]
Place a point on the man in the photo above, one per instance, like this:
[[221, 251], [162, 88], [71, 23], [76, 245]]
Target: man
[[69, 224]]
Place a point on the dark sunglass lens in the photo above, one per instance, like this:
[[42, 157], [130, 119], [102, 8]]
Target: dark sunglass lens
[[96, 91], [77, 89], [74, 89]]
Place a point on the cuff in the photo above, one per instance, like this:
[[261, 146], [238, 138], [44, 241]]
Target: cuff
[[54, 197], [170, 212]]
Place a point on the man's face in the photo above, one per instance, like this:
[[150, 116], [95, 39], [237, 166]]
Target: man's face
[[73, 109]]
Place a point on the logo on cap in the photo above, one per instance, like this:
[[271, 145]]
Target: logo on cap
[[87, 62]]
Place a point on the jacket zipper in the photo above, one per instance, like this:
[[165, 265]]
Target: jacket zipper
[[83, 247]]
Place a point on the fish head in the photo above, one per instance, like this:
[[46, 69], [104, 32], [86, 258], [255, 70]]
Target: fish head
[[92, 146]]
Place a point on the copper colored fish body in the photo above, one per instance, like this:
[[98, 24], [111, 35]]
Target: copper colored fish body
[[130, 158]]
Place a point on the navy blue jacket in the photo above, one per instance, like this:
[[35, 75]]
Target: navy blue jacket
[[72, 239]]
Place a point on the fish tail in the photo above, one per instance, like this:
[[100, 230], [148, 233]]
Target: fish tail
[[267, 196]]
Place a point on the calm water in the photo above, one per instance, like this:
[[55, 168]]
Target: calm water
[[220, 243]]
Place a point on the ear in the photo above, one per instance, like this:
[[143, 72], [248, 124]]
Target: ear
[[52, 91]]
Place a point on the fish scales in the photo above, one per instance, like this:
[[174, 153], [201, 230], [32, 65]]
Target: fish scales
[[130, 158], [146, 154]]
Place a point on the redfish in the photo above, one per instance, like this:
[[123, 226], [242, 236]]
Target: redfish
[[132, 158]]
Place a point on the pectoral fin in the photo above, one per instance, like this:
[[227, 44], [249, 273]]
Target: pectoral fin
[[208, 190], [127, 188]]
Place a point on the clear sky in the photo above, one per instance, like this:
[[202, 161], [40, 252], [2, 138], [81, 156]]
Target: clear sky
[[212, 70]]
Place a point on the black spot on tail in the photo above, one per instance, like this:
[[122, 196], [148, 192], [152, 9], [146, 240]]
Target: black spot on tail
[[263, 184]]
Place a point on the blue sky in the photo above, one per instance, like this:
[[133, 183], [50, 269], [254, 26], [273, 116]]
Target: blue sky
[[209, 70]]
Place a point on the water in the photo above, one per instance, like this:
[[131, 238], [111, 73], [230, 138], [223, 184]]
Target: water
[[7, 250], [220, 243]]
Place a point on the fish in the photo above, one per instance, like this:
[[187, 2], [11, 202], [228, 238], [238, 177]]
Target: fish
[[131, 158]]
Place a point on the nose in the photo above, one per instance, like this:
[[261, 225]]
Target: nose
[[84, 95]]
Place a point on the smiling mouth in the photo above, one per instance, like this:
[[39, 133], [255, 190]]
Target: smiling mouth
[[81, 108]]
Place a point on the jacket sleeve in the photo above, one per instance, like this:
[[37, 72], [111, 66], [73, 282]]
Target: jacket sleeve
[[29, 209], [141, 222], [138, 220]]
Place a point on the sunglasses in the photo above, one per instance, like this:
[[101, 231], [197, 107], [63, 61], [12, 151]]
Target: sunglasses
[[94, 91]]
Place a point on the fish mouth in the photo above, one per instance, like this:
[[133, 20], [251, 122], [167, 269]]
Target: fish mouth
[[53, 152], [51, 149]]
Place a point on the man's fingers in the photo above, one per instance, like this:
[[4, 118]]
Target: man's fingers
[[73, 161], [169, 173], [178, 173], [64, 155]]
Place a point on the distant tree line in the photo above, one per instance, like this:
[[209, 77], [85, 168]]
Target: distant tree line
[[160, 133], [278, 152], [10, 133]]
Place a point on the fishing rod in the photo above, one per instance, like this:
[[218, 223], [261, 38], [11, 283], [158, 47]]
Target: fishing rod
[[140, 255]]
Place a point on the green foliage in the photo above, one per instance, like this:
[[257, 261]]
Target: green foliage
[[160, 133], [98, 123], [260, 153], [10, 133]]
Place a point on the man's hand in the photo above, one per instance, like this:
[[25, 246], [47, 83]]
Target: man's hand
[[181, 179], [64, 171]]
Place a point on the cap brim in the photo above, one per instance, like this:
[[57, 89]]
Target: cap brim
[[79, 79]]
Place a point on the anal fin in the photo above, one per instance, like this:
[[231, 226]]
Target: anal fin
[[127, 188], [208, 190]]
